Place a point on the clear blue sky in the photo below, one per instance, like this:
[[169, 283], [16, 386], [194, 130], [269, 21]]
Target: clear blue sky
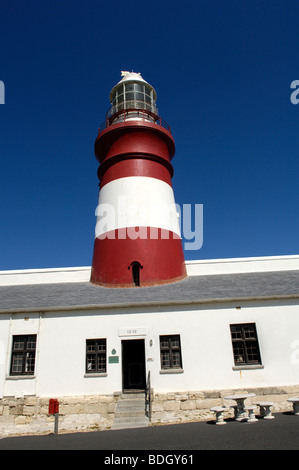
[[222, 71]]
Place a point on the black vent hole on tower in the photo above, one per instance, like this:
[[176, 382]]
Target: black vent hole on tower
[[136, 267]]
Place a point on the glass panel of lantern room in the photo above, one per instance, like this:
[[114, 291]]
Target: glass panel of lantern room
[[138, 87], [129, 96], [120, 98], [129, 86], [139, 96]]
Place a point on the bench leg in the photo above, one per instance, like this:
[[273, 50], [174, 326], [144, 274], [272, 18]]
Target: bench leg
[[219, 418], [234, 407], [251, 416], [267, 413], [296, 408]]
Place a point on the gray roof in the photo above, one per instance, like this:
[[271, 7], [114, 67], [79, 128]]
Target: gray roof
[[194, 289]]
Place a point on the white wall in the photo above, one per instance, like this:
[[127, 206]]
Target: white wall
[[205, 339]]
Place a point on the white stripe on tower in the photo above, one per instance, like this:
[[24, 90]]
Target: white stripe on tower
[[136, 201]]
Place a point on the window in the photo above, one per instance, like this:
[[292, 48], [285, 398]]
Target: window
[[23, 355], [170, 347], [95, 355], [245, 344]]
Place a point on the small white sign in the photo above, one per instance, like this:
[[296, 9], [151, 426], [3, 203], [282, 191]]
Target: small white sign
[[132, 331]]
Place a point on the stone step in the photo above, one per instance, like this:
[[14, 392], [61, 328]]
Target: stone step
[[132, 422], [130, 411], [131, 400], [132, 396], [131, 406]]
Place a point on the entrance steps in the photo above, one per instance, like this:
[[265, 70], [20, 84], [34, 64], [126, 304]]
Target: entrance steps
[[130, 411]]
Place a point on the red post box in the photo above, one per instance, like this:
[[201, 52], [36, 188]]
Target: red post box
[[53, 406]]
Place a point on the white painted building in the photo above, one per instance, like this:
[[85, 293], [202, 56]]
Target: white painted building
[[232, 324], [61, 310]]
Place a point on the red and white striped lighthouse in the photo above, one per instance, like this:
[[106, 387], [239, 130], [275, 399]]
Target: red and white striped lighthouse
[[138, 241]]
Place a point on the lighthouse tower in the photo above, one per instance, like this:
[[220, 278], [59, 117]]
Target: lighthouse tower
[[137, 239]]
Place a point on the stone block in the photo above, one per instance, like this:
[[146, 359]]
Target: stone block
[[170, 396], [160, 397], [111, 407], [23, 420], [157, 406], [16, 409], [208, 403], [31, 401], [273, 391], [29, 410], [171, 405], [188, 405], [182, 397], [196, 395], [212, 394], [69, 409]]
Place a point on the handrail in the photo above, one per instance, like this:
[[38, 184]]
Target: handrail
[[143, 114], [149, 396]]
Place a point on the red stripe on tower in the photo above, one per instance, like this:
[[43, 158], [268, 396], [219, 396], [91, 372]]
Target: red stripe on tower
[[138, 240]]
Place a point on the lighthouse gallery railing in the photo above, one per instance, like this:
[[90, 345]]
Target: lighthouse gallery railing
[[133, 113]]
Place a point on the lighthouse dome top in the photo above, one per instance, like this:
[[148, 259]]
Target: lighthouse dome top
[[132, 92]]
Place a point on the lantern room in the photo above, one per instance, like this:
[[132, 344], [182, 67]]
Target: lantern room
[[134, 97]]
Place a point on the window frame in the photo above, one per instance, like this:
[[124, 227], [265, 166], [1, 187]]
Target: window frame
[[25, 353], [247, 345], [170, 349], [98, 355]]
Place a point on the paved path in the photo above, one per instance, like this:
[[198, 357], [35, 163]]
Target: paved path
[[281, 433]]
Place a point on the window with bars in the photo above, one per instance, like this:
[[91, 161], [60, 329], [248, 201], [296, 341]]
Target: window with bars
[[170, 349], [96, 355], [23, 355], [245, 344]]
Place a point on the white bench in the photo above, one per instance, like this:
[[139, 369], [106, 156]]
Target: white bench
[[265, 410], [251, 415], [295, 401], [219, 414]]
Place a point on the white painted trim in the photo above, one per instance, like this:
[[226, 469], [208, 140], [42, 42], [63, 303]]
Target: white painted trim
[[242, 265], [44, 276]]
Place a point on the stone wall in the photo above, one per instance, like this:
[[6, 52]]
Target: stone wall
[[195, 406], [29, 415]]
